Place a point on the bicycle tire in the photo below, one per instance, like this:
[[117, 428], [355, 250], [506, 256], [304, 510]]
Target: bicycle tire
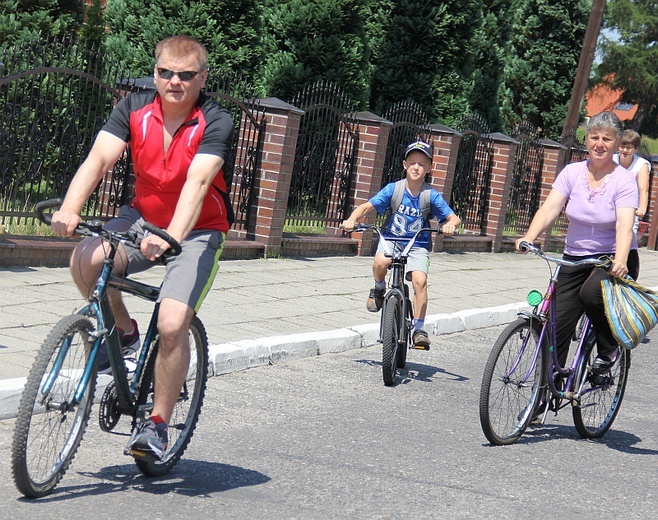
[[46, 437], [506, 405], [602, 394], [187, 409], [402, 352], [390, 343]]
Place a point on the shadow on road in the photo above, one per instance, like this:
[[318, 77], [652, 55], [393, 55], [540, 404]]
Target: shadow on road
[[418, 372], [189, 478], [613, 439]]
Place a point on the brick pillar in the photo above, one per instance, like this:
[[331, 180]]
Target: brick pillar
[[554, 154], [373, 140], [446, 147], [499, 186], [273, 184]]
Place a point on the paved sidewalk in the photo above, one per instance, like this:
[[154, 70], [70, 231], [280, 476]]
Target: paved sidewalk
[[267, 311]]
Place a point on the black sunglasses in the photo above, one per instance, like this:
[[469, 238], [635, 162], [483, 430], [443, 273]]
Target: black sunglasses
[[184, 75]]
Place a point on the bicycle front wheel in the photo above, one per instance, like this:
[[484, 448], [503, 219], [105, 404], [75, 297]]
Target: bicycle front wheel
[[187, 409], [390, 340], [600, 394], [402, 351], [512, 383], [50, 424]]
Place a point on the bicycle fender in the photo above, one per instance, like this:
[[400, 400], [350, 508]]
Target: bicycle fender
[[396, 294], [532, 318]]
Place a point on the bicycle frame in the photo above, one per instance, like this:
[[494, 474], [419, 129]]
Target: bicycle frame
[[58, 393], [523, 378], [398, 289], [545, 313], [99, 307]]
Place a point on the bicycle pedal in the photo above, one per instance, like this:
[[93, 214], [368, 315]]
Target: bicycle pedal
[[420, 347], [142, 455]]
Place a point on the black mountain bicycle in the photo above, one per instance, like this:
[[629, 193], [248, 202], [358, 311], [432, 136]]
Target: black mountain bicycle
[[395, 332], [57, 399]]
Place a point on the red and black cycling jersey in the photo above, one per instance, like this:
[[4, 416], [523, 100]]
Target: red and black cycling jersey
[[159, 177]]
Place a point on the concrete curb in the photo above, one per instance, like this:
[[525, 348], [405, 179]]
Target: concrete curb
[[241, 355]]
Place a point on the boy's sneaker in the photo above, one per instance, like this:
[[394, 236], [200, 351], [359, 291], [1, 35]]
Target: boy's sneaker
[[375, 299], [421, 340], [129, 346], [151, 439]]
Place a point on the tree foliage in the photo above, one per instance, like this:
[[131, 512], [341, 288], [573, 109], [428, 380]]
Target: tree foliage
[[509, 60], [630, 59], [93, 30], [423, 52], [228, 29], [310, 40], [491, 47], [25, 19], [547, 38]]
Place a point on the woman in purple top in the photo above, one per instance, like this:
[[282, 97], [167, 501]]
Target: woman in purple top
[[601, 199]]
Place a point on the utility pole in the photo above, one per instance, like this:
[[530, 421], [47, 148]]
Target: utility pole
[[584, 65]]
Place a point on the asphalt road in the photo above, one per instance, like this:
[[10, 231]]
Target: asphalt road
[[322, 437]]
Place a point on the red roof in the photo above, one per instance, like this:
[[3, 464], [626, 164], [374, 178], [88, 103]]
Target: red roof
[[601, 98]]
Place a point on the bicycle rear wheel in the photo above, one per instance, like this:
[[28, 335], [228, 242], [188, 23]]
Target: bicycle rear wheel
[[187, 409], [49, 428], [512, 383], [390, 340], [601, 394]]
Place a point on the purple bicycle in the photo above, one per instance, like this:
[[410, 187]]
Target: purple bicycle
[[523, 379]]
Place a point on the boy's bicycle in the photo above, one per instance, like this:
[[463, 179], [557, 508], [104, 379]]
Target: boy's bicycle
[[523, 378], [395, 332], [56, 402]]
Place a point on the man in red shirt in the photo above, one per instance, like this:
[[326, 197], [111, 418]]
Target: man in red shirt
[[179, 140]]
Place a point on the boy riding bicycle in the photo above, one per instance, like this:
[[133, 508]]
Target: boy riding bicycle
[[417, 204]]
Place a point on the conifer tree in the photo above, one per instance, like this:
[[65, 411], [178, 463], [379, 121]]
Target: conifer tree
[[547, 39], [310, 40], [491, 47], [24, 19], [93, 29], [228, 29], [423, 52]]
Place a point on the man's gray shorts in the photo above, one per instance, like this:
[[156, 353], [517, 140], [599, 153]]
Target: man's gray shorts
[[190, 274]]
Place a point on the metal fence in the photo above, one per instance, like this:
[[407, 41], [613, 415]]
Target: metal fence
[[525, 190], [470, 192], [54, 99], [410, 123], [575, 147], [325, 158]]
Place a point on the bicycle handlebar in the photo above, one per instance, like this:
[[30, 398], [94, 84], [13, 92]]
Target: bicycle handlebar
[[605, 262], [96, 227], [384, 240]]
